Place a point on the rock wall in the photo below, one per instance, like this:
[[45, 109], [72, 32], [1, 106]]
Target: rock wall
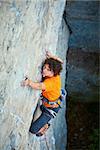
[[83, 55], [28, 27]]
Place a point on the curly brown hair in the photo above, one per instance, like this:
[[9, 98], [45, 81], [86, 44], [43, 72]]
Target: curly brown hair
[[54, 65]]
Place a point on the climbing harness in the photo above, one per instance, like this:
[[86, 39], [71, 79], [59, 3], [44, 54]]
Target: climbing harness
[[58, 101], [50, 103]]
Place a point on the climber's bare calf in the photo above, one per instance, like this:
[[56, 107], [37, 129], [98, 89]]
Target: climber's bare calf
[[43, 130]]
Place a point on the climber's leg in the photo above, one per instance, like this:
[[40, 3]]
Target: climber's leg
[[44, 118], [40, 122], [43, 130]]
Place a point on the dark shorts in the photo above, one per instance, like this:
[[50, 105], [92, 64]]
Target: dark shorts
[[43, 119]]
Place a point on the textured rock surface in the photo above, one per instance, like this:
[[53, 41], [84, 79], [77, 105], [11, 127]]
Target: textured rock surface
[[27, 28], [83, 56]]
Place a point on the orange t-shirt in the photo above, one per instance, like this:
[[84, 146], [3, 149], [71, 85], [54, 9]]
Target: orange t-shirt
[[53, 87]]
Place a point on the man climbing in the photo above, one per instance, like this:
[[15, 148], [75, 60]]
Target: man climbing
[[51, 93]]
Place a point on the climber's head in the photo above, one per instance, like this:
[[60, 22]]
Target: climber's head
[[51, 67]]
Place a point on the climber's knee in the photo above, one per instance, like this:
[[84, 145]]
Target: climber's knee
[[34, 128]]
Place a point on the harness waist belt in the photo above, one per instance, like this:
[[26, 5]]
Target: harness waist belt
[[58, 101]]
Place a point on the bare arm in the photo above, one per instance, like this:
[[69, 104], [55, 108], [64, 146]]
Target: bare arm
[[33, 85], [36, 85], [49, 55]]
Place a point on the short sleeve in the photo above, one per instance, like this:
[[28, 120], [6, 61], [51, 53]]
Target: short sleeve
[[48, 84]]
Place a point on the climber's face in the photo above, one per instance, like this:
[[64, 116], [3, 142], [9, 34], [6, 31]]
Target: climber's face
[[47, 72]]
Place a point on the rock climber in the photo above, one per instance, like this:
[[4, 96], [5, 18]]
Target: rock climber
[[51, 93]]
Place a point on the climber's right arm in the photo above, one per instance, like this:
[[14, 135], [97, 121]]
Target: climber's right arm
[[34, 85]]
